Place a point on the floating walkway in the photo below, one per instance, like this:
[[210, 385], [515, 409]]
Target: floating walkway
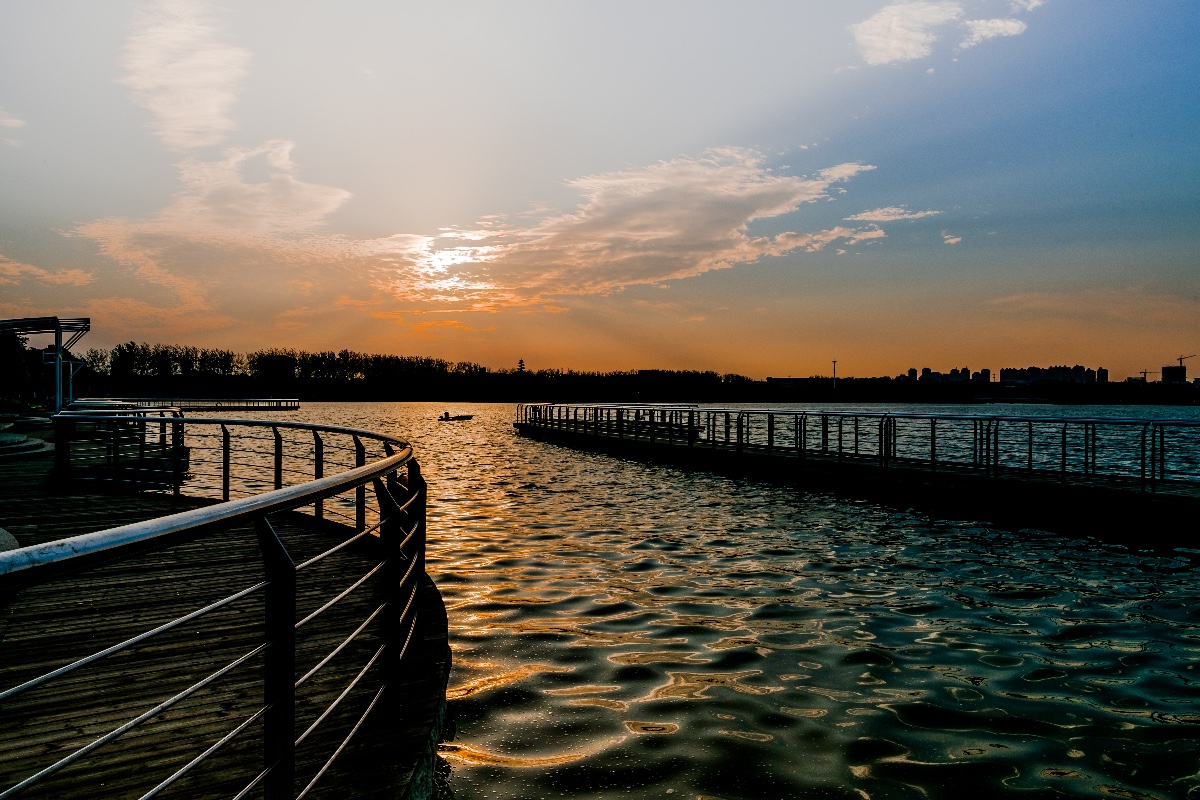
[[157, 641], [1133, 478]]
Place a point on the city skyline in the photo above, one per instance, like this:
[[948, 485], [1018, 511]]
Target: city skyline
[[616, 186]]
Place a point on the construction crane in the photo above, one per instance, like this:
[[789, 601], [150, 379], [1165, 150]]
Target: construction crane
[[1181, 358], [1146, 372]]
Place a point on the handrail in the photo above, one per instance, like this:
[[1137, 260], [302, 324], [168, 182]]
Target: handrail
[[119, 439], [113, 541]]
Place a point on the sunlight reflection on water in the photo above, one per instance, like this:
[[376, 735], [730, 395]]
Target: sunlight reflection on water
[[622, 627]]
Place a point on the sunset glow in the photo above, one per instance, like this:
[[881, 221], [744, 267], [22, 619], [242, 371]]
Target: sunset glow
[[682, 185]]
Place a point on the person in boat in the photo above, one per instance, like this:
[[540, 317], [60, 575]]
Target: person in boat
[[446, 415]]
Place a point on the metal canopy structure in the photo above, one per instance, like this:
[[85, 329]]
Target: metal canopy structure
[[77, 327]]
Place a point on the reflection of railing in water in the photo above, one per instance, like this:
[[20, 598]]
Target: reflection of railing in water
[[223, 459], [1152, 456]]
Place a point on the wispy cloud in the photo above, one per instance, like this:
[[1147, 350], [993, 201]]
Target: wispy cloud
[[903, 31], [14, 272], [177, 69], [671, 220], [643, 226], [1026, 5], [980, 30], [890, 214], [1130, 306], [949, 238], [7, 120]]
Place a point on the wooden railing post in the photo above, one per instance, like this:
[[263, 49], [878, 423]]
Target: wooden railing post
[[360, 494], [740, 429], [278, 457], [318, 471], [224, 463], [279, 674], [770, 433]]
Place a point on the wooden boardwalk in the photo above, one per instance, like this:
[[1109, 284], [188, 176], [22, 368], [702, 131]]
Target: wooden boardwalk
[[52, 624], [1112, 508]]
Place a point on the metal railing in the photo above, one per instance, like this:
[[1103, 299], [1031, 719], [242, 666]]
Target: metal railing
[[1146, 455], [205, 403], [257, 469]]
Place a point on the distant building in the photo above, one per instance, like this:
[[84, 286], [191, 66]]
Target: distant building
[[1102, 375], [1174, 374], [1063, 374]]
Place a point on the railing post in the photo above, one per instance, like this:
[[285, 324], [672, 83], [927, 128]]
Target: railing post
[[770, 433], [803, 437], [1063, 462], [1030, 456], [1144, 428], [933, 445], [177, 448], [996, 449], [740, 427], [391, 533], [360, 493], [279, 674], [278, 457], [691, 439], [824, 433], [64, 432], [839, 440], [620, 423], [224, 463], [318, 471], [856, 436]]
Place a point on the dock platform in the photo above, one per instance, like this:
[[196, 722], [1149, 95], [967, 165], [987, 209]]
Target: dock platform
[[51, 623]]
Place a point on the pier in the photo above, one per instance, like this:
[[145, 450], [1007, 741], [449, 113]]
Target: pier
[[1133, 478], [204, 403], [217, 608]]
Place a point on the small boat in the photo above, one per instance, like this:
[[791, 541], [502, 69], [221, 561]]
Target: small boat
[[448, 417]]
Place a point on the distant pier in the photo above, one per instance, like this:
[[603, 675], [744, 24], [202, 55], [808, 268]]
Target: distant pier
[[202, 403], [1137, 479]]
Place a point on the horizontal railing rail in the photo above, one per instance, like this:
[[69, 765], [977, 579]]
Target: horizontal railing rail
[[388, 532], [203, 403], [1147, 455]]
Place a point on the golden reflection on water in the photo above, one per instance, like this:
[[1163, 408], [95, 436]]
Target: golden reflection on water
[[630, 629]]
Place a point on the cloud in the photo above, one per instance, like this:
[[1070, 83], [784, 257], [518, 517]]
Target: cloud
[[9, 121], [175, 68], [890, 214], [903, 31], [950, 239], [226, 244], [980, 30], [1026, 5], [14, 272], [1131, 306], [671, 220]]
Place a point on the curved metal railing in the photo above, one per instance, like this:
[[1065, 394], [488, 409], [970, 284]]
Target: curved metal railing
[[254, 468], [1148, 455]]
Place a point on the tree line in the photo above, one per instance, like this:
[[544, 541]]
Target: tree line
[[136, 369]]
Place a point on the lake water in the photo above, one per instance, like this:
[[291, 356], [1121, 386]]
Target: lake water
[[624, 629]]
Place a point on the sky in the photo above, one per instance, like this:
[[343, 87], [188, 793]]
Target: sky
[[750, 188]]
